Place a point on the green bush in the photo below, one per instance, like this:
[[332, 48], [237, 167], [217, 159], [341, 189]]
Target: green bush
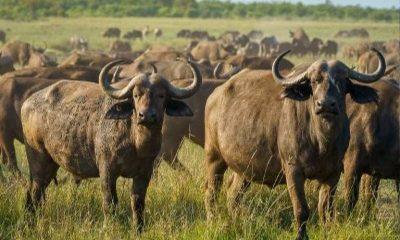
[[33, 9]]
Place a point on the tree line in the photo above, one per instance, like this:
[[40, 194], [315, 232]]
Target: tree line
[[34, 9]]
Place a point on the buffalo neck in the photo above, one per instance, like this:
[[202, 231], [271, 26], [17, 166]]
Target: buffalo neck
[[311, 131], [146, 139]]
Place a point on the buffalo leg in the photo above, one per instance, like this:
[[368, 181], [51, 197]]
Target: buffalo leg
[[138, 195], [108, 188], [236, 191], [9, 153], [371, 187], [215, 167], [352, 187], [42, 170], [326, 195], [295, 182], [398, 190]]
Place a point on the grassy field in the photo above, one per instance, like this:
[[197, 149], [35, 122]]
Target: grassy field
[[175, 207]]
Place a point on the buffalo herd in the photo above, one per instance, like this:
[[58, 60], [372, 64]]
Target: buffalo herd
[[119, 113]]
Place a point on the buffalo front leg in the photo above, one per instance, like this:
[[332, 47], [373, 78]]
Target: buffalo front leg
[[108, 189], [326, 196], [215, 168], [398, 190], [237, 189], [352, 187], [295, 183], [9, 154], [138, 195]]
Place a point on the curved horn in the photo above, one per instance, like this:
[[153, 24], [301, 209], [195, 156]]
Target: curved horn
[[286, 82], [108, 89], [227, 75], [373, 77], [153, 68], [190, 90]]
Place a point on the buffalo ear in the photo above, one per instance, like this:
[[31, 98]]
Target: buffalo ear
[[362, 94], [120, 110], [298, 93], [176, 108]]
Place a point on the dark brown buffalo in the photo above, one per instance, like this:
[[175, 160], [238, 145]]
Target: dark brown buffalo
[[175, 130], [274, 142], [374, 147], [14, 91], [65, 72], [315, 46], [91, 59], [160, 53], [184, 33], [329, 48], [111, 32], [133, 35], [211, 50], [251, 49], [22, 52], [6, 64], [120, 46], [16, 87], [234, 64], [255, 34], [113, 131]]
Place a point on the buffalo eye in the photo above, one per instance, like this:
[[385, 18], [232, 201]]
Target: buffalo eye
[[161, 96]]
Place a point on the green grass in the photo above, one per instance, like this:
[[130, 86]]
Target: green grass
[[175, 207]]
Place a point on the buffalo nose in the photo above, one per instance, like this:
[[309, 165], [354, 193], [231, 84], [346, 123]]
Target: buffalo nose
[[326, 103], [148, 116]]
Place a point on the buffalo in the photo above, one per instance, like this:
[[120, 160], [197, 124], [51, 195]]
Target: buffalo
[[374, 147], [212, 50], [133, 35], [103, 130], [111, 32], [6, 64], [275, 142], [22, 52], [19, 85]]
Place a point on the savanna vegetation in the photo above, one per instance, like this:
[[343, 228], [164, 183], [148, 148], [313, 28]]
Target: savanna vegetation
[[175, 208], [32, 9]]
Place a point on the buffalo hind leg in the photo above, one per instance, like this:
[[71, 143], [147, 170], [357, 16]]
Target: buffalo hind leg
[[326, 196], [295, 183], [42, 170], [236, 191], [138, 196], [215, 169]]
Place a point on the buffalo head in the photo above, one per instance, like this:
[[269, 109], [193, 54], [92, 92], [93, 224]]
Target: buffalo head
[[327, 82], [148, 95]]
